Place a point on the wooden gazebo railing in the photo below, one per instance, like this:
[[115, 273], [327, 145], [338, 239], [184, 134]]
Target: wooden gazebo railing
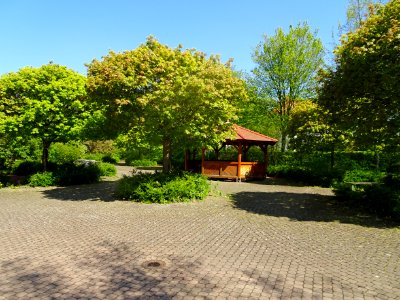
[[239, 169]]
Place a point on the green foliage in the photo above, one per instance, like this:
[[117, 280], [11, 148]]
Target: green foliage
[[45, 103], [100, 146], [314, 168], [111, 158], [286, 67], [12, 149], [357, 11], [133, 146], [168, 97], [362, 89], [359, 175], [107, 169], [311, 128], [381, 199], [259, 113], [306, 175], [61, 153], [71, 174], [42, 179], [164, 188], [26, 168], [142, 163]]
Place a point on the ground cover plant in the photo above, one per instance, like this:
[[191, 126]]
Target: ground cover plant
[[164, 188]]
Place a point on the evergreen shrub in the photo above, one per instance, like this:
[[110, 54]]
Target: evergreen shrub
[[164, 188], [42, 179]]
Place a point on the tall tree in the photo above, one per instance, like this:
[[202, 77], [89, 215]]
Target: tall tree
[[46, 102], [174, 97], [364, 85], [357, 12], [286, 67]]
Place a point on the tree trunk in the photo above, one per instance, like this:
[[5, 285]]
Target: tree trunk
[[377, 161], [45, 155], [332, 156], [283, 142], [166, 155]]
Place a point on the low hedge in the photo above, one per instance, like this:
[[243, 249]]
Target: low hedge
[[381, 198], [304, 175], [163, 188], [63, 174]]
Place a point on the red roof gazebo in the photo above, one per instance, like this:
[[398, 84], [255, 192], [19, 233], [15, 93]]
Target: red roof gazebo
[[240, 169]]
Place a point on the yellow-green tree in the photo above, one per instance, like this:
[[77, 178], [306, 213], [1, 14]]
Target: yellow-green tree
[[363, 88], [287, 64], [47, 103], [174, 97]]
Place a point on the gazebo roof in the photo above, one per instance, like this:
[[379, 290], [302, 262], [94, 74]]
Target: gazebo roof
[[247, 135]]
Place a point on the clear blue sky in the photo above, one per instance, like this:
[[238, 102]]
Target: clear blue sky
[[73, 32]]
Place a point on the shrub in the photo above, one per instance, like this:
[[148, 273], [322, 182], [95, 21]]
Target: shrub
[[70, 174], [107, 169], [60, 153], [111, 158], [94, 156], [26, 168], [42, 179], [362, 176], [305, 175], [381, 199], [163, 188], [142, 163]]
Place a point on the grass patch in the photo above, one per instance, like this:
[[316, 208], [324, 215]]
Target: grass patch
[[142, 163], [107, 169], [164, 188]]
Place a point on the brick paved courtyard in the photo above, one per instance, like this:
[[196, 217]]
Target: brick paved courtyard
[[265, 241]]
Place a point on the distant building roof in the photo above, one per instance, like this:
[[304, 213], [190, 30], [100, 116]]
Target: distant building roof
[[244, 134]]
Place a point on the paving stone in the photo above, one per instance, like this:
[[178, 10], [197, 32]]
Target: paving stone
[[263, 242]]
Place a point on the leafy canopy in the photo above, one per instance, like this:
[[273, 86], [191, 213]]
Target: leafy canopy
[[364, 88], [286, 67], [45, 103], [169, 96]]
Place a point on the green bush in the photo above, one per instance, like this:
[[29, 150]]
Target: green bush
[[317, 177], [71, 174], [107, 169], [142, 163], [60, 153], [111, 158], [163, 188], [26, 168], [42, 179], [94, 156], [362, 176]]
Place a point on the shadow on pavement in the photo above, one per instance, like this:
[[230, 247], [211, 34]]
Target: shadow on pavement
[[112, 270], [305, 207], [102, 191]]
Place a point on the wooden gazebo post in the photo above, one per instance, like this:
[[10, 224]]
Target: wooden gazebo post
[[264, 149], [240, 151], [203, 158]]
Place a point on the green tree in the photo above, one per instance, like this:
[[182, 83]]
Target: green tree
[[312, 128], [286, 67], [357, 12], [364, 87], [45, 103], [259, 113], [176, 97]]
